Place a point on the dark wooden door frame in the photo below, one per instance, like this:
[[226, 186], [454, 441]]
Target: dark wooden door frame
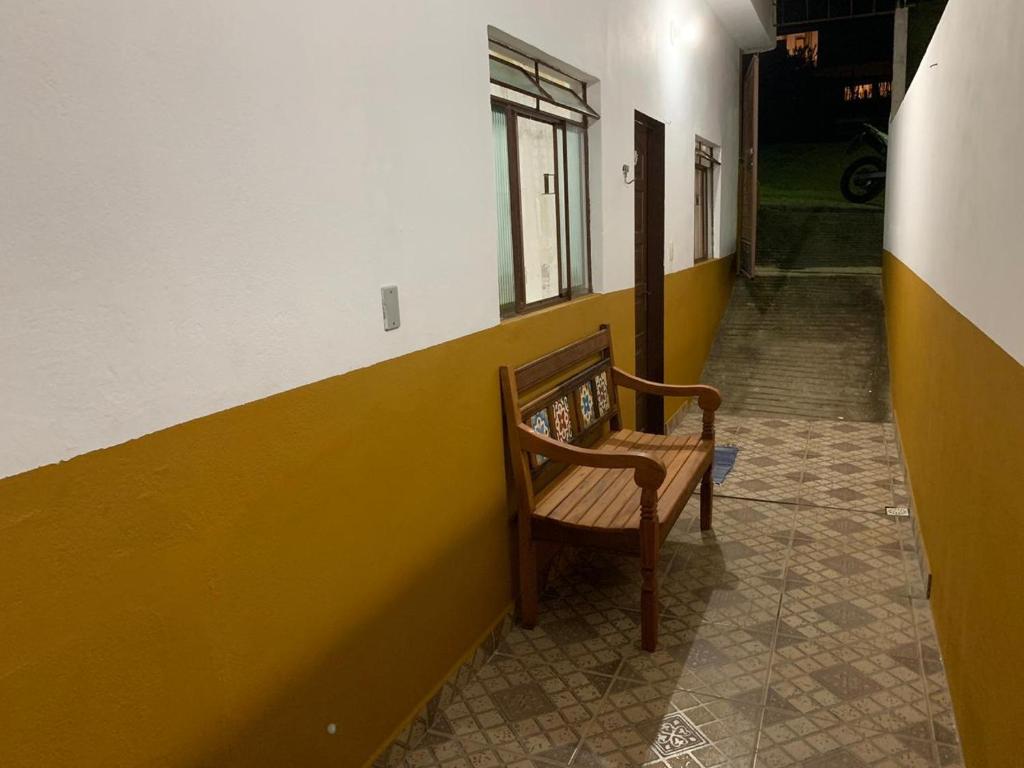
[[650, 272]]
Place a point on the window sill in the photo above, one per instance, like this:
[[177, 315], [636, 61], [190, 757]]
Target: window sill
[[552, 306]]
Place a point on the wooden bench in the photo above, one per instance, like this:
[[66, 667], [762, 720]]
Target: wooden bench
[[581, 479]]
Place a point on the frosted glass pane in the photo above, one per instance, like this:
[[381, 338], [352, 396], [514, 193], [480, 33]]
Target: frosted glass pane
[[563, 219], [540, 228], [577, 211], [551, 109], [509, 95], [507, 74], [506, 273], [566, 98]]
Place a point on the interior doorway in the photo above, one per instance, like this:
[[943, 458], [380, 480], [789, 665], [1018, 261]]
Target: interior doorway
[[649, 257]]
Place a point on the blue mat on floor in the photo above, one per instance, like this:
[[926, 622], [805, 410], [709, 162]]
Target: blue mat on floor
[[725, 460]]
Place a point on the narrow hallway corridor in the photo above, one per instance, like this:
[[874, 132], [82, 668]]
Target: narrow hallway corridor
[[795, 633]]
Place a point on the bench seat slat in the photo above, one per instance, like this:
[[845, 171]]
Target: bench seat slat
[[679, 453], [605, 502], [586, 494], [608, 499]]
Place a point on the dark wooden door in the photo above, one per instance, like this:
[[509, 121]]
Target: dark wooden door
[[649, 258], [746, 261]]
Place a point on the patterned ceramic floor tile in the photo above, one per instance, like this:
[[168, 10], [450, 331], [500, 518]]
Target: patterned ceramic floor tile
[[847, 467], [603, 580], [443, 751], [588, 638], [657, 724], [862, 686], [848, 611], [806, 743], [713, 556], [849, 483], [770, 471], [707, 595], [735, 518], [529, 708], [718, 659], [850, 530], [769, 465], [783, 427]]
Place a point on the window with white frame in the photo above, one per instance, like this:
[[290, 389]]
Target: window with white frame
[[539, 118]]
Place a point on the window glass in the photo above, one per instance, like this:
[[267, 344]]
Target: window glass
[[537, 205], [563, 218], [566, 114], [577, 210], [506, 264], [567, 98], [512, 76], [501, 92]]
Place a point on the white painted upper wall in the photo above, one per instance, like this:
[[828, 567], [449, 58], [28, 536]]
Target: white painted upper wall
[[200, 201], [956, 164], [750, 22]]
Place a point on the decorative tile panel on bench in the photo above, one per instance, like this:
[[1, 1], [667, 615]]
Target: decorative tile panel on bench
[[563, 419], [540, 422], [575, 410], [585, 400], [604, 402]]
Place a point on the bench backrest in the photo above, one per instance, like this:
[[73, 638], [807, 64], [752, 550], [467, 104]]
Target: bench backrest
[[567, 395]]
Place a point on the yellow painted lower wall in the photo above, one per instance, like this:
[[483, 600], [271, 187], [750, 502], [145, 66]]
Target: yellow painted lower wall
[[958, 400], [216, 593], [695, 301]]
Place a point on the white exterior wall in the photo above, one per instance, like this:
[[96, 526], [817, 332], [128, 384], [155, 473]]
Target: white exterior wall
[[200, 201], [956, 164]]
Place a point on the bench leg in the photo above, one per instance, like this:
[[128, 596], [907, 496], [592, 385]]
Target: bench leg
[[528, 584], [649, 588], [707, 491]]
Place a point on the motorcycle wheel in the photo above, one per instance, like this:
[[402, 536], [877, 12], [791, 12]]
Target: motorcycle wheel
[[858, 189]]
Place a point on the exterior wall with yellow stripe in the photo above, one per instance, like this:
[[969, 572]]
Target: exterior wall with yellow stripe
[[695, 301], [217, 592], [957, 397]]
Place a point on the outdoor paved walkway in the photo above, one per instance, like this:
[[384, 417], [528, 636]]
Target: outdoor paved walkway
[[793, 634], [807, 343]]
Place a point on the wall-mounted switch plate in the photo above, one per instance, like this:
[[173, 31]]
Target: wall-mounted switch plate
[[389, 300]]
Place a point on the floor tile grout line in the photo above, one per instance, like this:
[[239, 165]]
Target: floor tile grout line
[[800, 503]]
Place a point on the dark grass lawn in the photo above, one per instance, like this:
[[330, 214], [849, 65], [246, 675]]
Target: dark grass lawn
[[806, 174]]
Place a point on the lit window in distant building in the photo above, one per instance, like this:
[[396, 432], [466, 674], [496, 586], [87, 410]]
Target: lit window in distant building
[[803, 45], [861, 92], [884, 90]]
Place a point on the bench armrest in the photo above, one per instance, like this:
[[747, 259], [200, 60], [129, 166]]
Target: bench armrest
[[708, 398], [648, 472]]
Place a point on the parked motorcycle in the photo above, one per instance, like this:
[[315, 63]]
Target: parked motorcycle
[[864, 179]]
